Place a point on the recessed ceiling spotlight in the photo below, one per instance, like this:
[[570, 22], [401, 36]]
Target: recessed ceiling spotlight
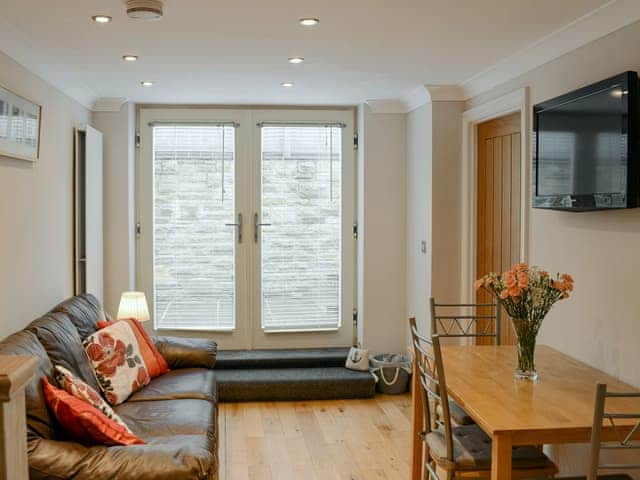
[[146, 83], [101, 18], [287, 84], [309, 21], [296, 59], [130, 58]]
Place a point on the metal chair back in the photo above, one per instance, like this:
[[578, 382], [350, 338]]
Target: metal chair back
[[627, 437], [430, 369], [466, 320]]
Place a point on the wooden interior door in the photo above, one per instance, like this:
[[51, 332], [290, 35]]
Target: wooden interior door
[[498, 204]]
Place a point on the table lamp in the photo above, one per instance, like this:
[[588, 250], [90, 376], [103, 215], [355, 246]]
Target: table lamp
[[133, 305]]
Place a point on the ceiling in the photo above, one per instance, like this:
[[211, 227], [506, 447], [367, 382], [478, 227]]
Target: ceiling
[[235, 51]]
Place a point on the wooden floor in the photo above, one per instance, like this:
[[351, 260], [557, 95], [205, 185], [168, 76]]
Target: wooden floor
[[324, 440]]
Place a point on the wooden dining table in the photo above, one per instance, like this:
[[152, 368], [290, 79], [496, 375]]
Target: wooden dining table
[[556, 408]]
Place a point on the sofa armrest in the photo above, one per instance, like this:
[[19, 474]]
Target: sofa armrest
[[187, 352]]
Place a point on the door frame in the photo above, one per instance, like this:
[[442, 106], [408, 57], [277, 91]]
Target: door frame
[[516, 101], [246, 334]]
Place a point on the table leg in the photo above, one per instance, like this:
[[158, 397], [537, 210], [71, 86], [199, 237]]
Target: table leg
[[416, 426], [501, 457]]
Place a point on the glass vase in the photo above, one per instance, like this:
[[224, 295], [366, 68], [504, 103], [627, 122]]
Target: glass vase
[[527, 332]]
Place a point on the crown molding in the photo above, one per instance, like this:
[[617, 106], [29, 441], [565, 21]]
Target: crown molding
[[416, 98], [608, 18], [108, 104], [445, 93], [386, 106]]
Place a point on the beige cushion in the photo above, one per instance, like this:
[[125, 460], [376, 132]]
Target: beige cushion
[[472, 450]]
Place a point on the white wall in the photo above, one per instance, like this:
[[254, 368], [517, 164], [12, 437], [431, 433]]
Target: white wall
[[36, 206], [446, 201], [600, 324], [418, 206], [118, 129], [382, 219], [434, 135]]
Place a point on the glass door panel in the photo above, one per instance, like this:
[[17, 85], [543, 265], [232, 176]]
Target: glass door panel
[[301, 238], [194, 241]]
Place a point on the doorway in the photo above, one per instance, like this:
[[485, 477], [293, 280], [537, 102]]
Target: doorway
[[245, 223], [498, 202]]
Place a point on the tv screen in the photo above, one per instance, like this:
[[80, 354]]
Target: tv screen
[[582, 147]]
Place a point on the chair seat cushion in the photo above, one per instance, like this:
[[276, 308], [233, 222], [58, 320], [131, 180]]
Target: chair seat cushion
[[472, 450], [196, 383], [458, 415]]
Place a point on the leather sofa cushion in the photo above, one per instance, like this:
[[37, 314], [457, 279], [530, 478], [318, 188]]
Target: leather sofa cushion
[[195, 383], [187, 352], [169, 418], [39, 420], [181, 438], [84, 311], [60, 338], [184, 457]]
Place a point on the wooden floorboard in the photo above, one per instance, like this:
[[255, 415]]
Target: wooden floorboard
[[323, 440]]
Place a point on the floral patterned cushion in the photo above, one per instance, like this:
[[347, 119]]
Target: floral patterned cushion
[[124, 358], [114, 353], [83, 422], [79, 389]]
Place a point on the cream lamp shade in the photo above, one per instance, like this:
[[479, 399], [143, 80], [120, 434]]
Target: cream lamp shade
[[133, 305]]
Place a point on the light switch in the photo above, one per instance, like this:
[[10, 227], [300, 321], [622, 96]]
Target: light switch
[[423, 246]]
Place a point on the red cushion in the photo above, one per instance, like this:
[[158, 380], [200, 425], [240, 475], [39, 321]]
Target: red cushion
[[103, 324], [84, 422]]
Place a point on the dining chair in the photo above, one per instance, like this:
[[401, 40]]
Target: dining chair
[[464, 320], [463, 451], [626, 440]]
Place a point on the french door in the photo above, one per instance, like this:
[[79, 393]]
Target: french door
[[245, 223]]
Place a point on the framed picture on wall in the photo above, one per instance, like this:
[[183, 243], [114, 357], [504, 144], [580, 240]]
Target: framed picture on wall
[[19, 126]]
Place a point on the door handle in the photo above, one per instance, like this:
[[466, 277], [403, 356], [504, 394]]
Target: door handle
[[238, 225], [257, 225]]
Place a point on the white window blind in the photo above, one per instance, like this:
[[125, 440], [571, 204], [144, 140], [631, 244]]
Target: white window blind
[[301, 249], [194, 252]]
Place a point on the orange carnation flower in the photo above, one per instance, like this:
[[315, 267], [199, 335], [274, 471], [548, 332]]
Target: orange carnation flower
[[523, 280]]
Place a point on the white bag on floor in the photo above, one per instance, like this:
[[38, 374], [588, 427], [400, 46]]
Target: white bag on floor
[[358, 359]]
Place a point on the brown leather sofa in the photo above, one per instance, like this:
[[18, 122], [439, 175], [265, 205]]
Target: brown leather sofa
[[176, 414]]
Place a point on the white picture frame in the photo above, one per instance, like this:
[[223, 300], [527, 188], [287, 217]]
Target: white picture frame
[[20, 121]]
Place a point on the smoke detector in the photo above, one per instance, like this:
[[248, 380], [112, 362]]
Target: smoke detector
[[145, 9]]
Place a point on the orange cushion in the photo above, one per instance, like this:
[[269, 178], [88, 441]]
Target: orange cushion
[[84, 422], [153, 359]]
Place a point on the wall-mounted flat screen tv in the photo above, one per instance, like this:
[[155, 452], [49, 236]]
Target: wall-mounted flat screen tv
[[585, 147]]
